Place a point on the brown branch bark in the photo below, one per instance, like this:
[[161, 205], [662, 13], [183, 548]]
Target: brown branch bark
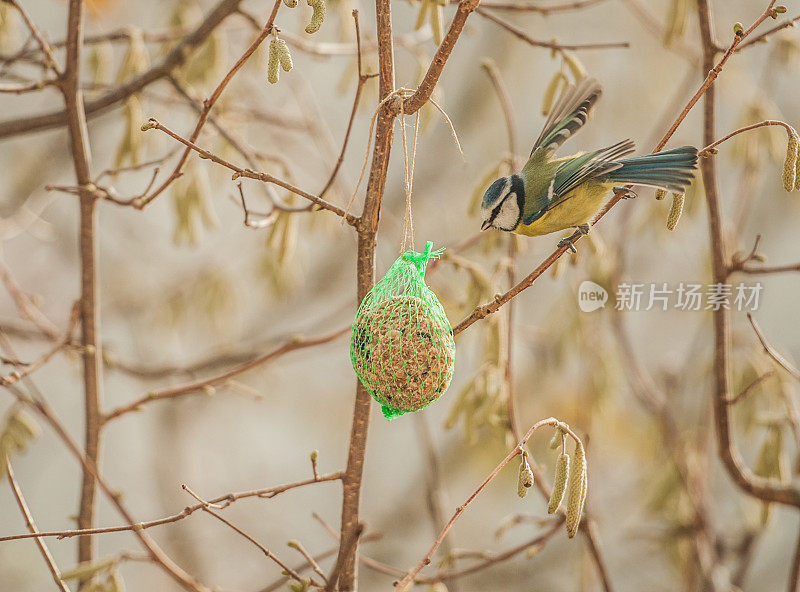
[[367, 229], [794, 574], [89, 308], [760, 488]]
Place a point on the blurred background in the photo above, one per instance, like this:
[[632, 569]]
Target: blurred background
[[187, 291]]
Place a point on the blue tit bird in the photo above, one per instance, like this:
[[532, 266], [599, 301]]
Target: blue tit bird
[[551, 194]]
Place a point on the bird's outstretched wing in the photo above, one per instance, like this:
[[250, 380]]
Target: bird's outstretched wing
[[572, 173], [568, 114]]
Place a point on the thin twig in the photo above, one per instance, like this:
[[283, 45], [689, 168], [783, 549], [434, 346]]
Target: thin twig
[[772, 352], [250, 174], [407, 580], [222, 501], [262, 548], [750, 387], [26, 514], [50, 61], [362, 80], [705, 152], [519, 33], [201, 385], [298, 546], [544, 9], [25, 306], [763, 36], [29, 369]]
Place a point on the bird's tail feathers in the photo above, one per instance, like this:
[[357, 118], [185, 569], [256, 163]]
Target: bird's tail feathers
[[672, 170]]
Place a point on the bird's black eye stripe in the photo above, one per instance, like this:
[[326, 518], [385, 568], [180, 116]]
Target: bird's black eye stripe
[[494, 214]]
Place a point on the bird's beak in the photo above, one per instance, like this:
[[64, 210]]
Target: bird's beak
[[486, 224]]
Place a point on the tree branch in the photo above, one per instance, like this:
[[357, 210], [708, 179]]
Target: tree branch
[[771, 351], [519, 33], [757, 487], [240, 172], [26, 514], [223, 501], [90, 313], [201, 385]]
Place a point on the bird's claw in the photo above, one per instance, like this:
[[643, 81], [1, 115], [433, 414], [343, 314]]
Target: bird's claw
[[583, 229], [567, 242], [624, 192]]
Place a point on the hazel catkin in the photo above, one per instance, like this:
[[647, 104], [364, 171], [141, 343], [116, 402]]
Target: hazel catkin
[[576, 491], [790, 165], [317, 17], [675, 211], [559, 483], [273, 62], [525, 480]]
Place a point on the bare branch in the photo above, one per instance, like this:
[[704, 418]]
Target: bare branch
[[201, 385], [50, 61], [757, 487], [26, 514], [222, 501], [240, 172], [707, 151], [519, 33], [771, 351], [544, 9]]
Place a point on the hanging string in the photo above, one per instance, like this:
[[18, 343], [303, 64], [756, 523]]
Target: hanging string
[[408, 221], [401, 92]]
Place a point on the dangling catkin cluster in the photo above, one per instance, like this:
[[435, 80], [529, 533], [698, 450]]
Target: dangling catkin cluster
[[676, 210], [401, 345], [791, 165], [317, 17], [525, 480], [559, 483], [279, 56], [576, 491]]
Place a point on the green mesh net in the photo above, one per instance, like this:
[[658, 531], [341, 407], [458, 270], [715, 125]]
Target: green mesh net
[[401, 343]]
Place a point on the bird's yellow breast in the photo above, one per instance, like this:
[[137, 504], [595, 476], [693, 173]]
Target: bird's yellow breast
[[575, 208]]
